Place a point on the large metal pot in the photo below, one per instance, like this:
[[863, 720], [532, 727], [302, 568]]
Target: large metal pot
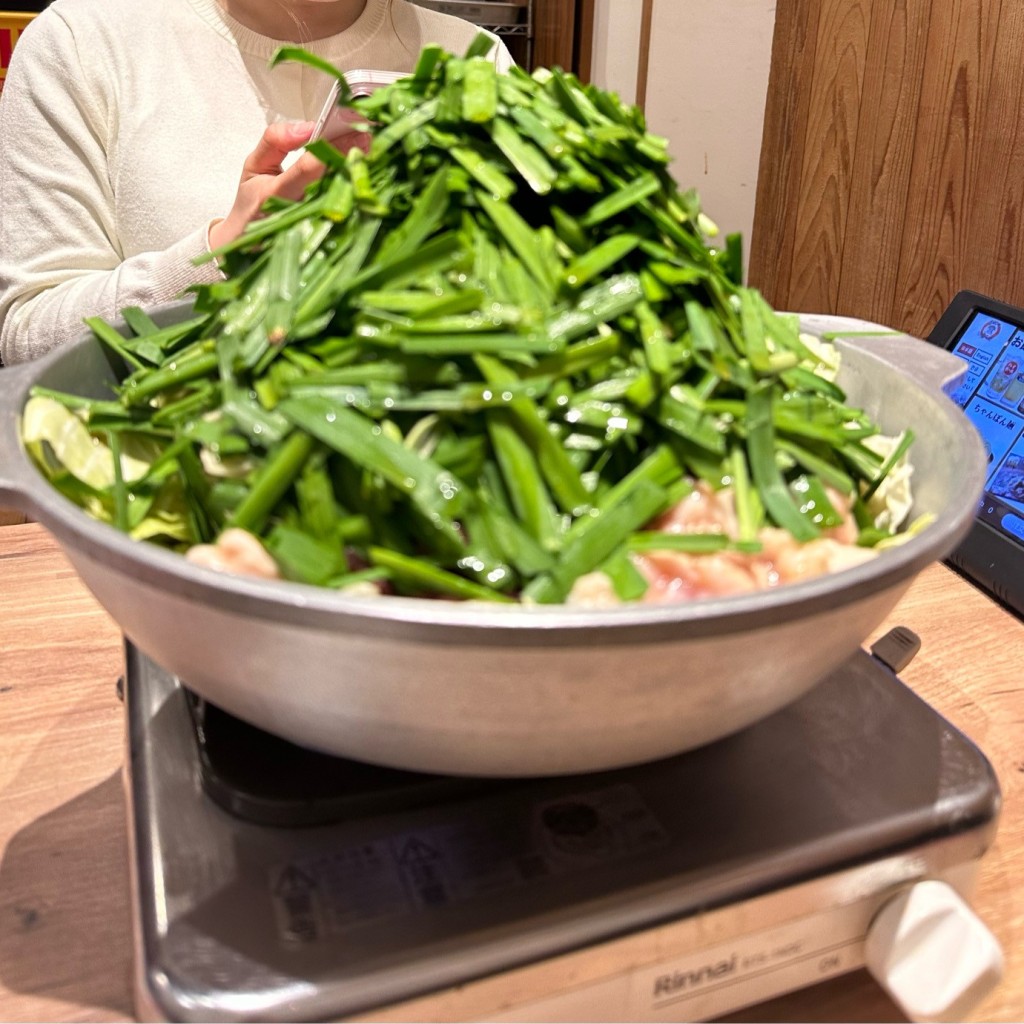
[[464, 689]]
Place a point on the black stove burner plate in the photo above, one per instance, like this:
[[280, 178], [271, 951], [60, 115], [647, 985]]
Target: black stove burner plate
[[266, 780]]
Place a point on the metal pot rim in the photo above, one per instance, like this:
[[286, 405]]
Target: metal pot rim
[[302, 604]]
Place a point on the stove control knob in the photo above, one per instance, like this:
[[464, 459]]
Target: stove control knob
[[932, 953]]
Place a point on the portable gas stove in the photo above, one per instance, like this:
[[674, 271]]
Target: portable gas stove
[[275, 883]]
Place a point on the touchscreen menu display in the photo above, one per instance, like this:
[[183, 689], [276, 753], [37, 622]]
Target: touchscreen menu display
[[992, 395]]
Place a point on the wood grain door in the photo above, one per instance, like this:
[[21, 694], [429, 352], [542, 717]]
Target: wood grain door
[[563, 35], [892, 165]]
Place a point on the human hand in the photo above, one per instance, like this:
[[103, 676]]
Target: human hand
[[264, 175], [341, 130]]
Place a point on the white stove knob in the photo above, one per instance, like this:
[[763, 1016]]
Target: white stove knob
[[932, 953]]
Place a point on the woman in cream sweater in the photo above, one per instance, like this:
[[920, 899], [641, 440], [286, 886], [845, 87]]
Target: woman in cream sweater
[[136, 135]]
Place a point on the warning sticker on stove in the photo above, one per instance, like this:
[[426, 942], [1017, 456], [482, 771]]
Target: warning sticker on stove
[[296, 904], [492, 850]]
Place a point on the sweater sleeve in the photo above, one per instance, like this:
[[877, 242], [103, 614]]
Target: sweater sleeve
[[60, 257]]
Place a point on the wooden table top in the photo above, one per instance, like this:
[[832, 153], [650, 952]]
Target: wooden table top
[[65, 933]]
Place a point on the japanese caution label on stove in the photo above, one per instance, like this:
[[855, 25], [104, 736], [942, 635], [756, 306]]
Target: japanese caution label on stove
[[405, 872]]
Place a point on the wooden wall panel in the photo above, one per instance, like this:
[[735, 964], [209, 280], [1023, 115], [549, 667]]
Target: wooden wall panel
[[826, 173], [779, 187], [554, 33], [940, 209], [881, 177], [990, 257], [586, 14], [643, 65], [890, 168], [1001, 161]]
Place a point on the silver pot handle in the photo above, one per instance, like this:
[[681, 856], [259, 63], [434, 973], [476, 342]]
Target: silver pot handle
[[932, 367]]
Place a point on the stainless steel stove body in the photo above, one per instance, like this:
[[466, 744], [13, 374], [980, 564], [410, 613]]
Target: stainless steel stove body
[[679, 889]]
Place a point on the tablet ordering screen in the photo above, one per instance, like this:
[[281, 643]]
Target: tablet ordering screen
[[992, 395], [989, 337]]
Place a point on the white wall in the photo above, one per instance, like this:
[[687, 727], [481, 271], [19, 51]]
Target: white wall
[[706, 87], [617, 46]]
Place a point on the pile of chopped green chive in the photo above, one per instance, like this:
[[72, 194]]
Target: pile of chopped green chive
[[476, 361]]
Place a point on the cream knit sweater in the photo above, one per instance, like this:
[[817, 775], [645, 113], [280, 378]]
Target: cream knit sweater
[[123, 128]]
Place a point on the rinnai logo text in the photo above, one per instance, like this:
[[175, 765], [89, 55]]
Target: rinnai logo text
[[681, 981]]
